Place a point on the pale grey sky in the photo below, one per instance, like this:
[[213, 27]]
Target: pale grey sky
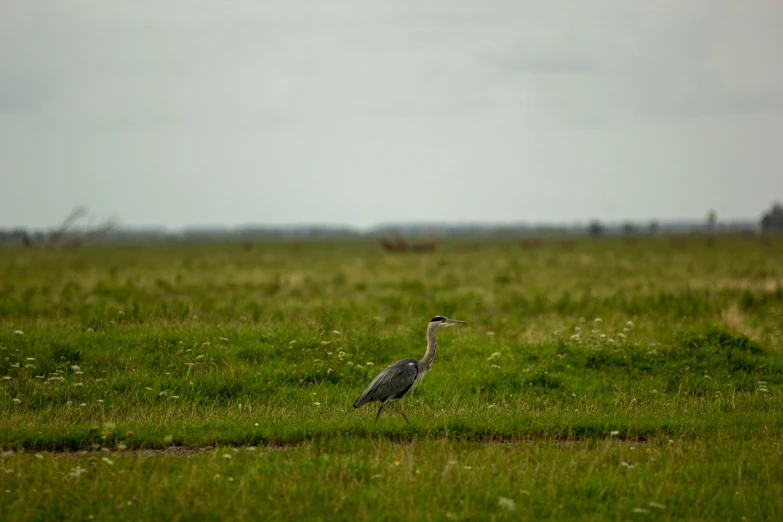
[[360, 112]]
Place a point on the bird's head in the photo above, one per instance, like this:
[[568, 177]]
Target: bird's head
[[440, 321]]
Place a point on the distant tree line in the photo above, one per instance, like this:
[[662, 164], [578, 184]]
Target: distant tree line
[[68, 234], [64, 235], [772, 221]]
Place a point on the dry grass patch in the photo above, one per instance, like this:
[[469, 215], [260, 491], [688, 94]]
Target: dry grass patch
[[736, 321]]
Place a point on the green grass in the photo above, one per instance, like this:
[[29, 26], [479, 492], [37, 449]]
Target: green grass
[[427, 478], [589, 383]]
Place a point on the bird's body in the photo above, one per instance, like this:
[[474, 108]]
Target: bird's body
[[399, 377]]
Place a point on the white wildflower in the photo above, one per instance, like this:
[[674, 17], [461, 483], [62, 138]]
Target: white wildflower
[[507, 503], [75, 472]]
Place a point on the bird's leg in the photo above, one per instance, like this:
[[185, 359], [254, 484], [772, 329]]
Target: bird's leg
[[402, 410], [379, 412]]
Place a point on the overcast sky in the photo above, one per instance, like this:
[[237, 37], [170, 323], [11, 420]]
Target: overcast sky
[[361, 112]]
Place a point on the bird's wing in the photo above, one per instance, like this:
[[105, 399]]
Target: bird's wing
[[394, 380]]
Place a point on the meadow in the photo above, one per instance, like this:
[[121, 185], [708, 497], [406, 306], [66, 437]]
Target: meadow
[[596, 380]]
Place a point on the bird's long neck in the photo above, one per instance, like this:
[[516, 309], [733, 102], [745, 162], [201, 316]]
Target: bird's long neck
[[425, 363]]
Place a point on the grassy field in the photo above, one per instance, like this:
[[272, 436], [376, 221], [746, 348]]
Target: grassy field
[[599, 381]]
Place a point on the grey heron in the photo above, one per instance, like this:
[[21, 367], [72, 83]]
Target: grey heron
[[399, 377]]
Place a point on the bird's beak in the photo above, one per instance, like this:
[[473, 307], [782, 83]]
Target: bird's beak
[[452, 322]]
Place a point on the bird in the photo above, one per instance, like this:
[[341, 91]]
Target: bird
[[399, 377]]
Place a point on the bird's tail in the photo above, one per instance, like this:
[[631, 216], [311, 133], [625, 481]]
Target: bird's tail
[[363, 399]]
